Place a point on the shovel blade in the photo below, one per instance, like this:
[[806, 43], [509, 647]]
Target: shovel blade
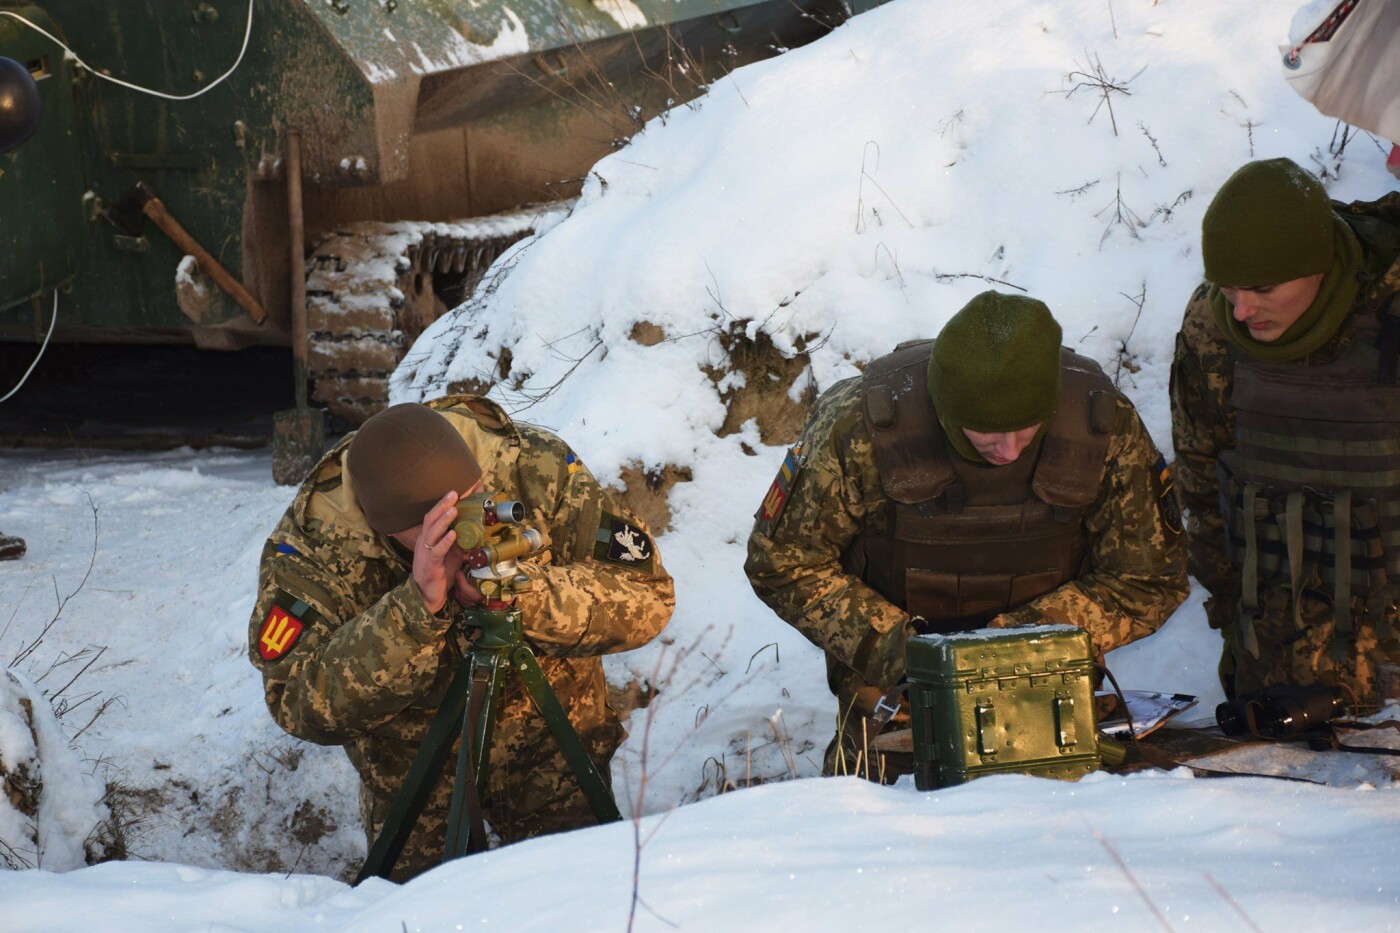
[[298, 440]]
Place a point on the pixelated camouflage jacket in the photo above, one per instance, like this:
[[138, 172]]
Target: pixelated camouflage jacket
[[371, 664], [1203, 426], [1136, 569]]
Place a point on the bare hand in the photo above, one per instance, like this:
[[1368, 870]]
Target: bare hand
[[436, 563]]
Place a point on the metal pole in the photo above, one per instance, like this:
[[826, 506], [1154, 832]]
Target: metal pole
[[297, 228]]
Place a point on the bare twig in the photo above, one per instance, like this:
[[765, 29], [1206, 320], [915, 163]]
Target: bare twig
[[1167, 211], [29, 649], [1122, 214], [1219, 889], [950, 276], [534, 396], [860, 192], [784, 742], [1132, 879], [1094, 76], [776, 658], [1153, 140], [1074, 193], [1126, 358]]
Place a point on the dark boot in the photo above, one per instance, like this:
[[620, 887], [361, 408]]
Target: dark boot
[[11, 548]]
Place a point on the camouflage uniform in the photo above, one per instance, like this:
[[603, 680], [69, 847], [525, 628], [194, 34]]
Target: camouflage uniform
[[371, 665], [1135, 575], [1203, 427]]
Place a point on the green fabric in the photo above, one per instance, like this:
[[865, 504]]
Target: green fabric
[[1269, 223], [402, 461], [1323, 317], [995, 367]]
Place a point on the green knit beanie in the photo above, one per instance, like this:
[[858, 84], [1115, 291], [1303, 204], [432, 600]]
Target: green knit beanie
[[1270, 222], [996, 365], [402, 461]]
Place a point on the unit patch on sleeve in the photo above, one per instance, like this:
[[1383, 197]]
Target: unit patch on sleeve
[[621, 542], [1167, 503], [776, 500], [280, 631]]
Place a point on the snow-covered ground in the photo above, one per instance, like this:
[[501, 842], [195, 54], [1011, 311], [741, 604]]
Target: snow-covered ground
[[836, 200]]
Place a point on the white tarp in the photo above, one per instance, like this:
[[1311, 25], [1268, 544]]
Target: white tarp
[[1355, 74]]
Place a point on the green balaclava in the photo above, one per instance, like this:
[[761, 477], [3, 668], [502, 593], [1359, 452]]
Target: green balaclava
[[1272, 222], [402, 461], [995, 367]]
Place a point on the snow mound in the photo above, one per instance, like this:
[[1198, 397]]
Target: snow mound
[[53, 813], [814, 210]]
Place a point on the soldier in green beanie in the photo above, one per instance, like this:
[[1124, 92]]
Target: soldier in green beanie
[[360, 587], [989, 477], [1285, 416]]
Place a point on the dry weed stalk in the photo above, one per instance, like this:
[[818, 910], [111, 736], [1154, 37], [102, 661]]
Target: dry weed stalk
[[1094, 77], [1132, 879], [860, 191], [1219, 889], [29, 649], [1122, 215], [1126, 359]]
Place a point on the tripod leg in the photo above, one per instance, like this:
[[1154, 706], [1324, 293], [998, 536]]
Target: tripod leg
[[600, 798], [466, 828], [423, 774]]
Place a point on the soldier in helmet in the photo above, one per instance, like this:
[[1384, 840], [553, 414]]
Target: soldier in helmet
[[353, 628], [1286, 421], [985, 478]]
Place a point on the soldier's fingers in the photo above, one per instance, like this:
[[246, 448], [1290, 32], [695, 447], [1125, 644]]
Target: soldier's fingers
[[442, 512]]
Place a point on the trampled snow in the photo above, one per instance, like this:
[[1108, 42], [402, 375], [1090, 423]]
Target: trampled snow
[[842, 198]]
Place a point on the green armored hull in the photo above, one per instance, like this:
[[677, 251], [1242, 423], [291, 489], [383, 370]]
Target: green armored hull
[[413, 115]]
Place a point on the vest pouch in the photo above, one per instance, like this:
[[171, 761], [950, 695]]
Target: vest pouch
[[934, 596], [1364, 555], [1027, 586], [1255, 539], [1294, 551], [952, 602]]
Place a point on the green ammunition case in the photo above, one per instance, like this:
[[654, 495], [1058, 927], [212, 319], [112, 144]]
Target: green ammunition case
[[998, 701]]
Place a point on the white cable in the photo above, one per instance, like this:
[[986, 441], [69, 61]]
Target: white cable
[[247, 34], [22, 379]]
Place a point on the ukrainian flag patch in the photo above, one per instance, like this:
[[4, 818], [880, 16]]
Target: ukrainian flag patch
[[777, 498]]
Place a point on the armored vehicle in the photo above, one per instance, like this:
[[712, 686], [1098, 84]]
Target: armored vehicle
[[405, 142]]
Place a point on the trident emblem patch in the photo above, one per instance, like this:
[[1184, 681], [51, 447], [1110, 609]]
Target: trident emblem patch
[[279, 632]]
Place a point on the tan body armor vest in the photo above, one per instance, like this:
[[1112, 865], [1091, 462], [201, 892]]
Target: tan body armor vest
[[1313, 484], [965, 541]]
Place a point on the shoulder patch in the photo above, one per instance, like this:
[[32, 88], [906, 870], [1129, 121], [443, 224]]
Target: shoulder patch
[[1167, 503], [573, 462], [777, 497], [620, 542], [280, 630], [287, 549]]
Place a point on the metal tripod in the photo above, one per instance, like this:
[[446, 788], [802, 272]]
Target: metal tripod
[[470, 709]]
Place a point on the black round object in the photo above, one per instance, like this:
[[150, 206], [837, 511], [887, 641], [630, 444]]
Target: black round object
[[20, 106]]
